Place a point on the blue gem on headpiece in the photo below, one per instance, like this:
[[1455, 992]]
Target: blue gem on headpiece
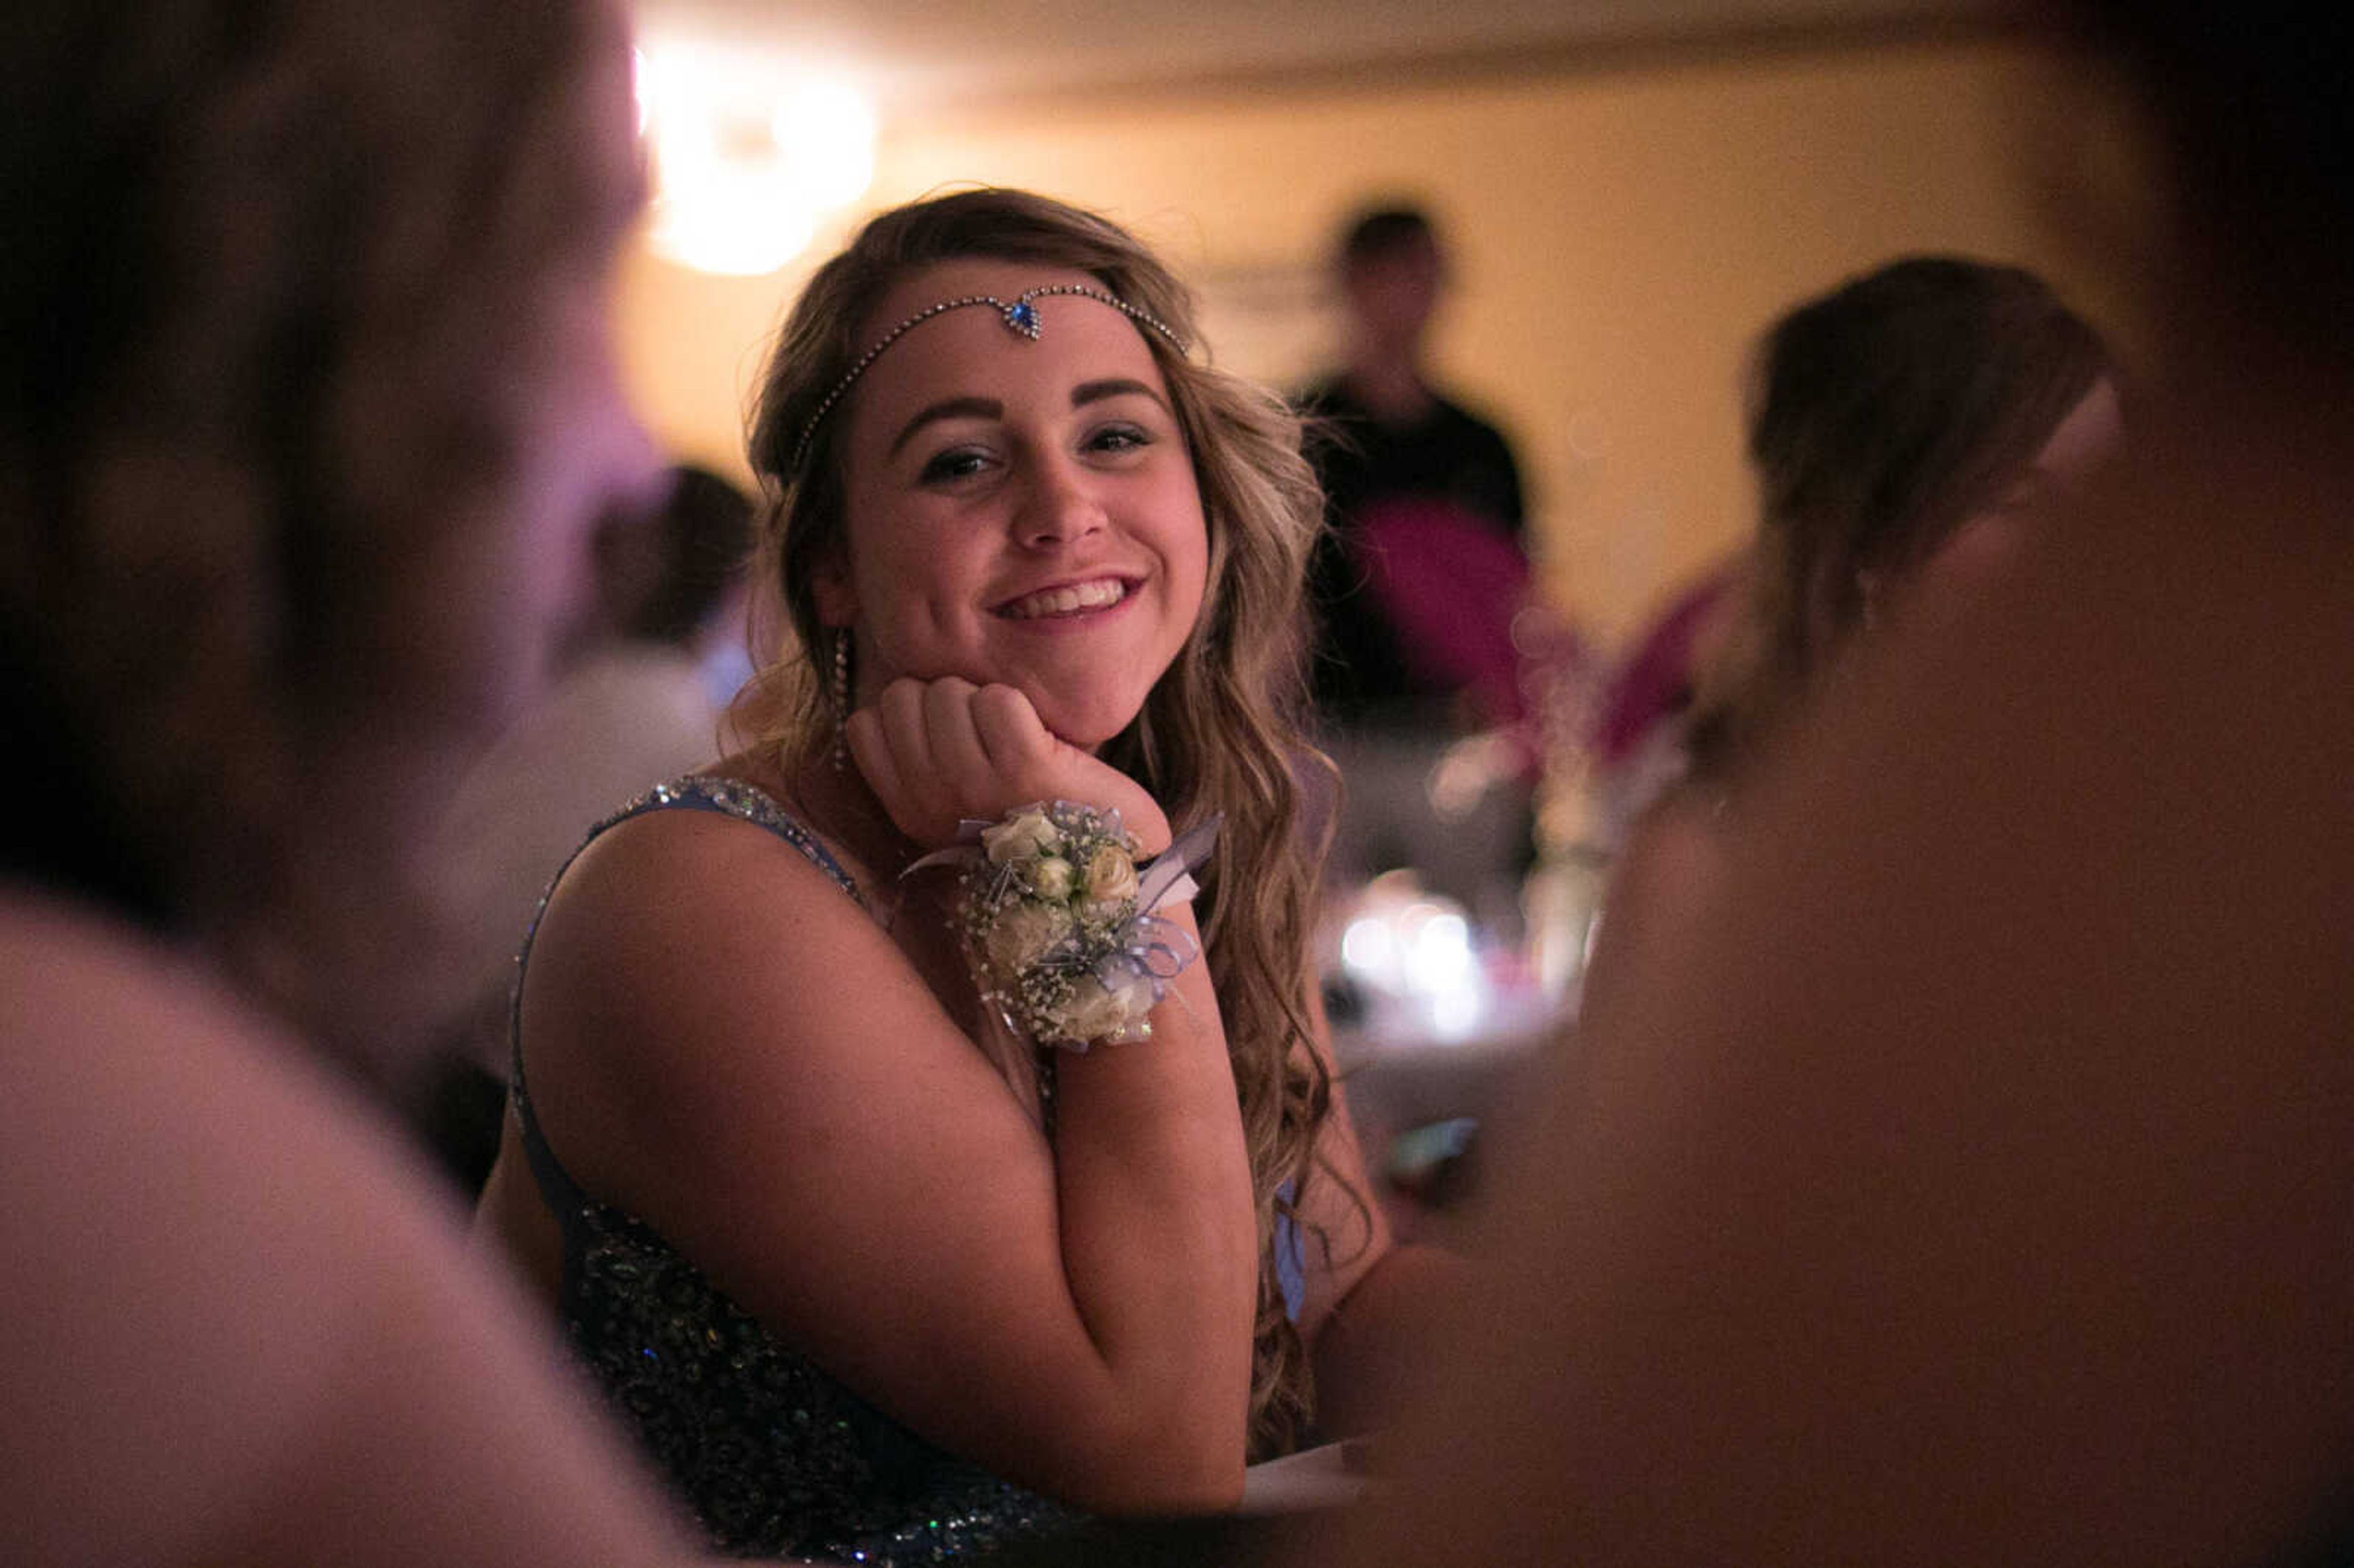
[[1020, 316]]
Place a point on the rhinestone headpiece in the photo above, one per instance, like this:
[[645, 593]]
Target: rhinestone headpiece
[[1020, 317]]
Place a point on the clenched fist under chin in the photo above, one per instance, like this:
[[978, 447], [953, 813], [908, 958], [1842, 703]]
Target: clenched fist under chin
[[941, 751]]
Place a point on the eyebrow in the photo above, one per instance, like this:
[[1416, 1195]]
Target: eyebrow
[[946, 408], [1086, 392], [1114, 387]]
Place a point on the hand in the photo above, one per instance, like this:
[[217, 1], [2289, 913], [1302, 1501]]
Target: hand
[[938, 752]]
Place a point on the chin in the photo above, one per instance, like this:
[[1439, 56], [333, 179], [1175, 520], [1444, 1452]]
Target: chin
[[1087, 724]]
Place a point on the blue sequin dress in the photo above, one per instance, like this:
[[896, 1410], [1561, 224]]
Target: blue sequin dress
[[775, 1456]]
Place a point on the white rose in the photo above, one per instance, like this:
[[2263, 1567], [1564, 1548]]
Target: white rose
[[1111, 876], [1095, 1014], [1051, 878], [1018, 937], [1019, 839]]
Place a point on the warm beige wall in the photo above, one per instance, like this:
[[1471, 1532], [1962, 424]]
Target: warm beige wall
[[1620, 237]]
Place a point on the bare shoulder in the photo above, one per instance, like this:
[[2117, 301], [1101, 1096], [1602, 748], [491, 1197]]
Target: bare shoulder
[[711, 1023], [113, 1043], [667, 935], [683, 868], [676, 937], [229, 1284]]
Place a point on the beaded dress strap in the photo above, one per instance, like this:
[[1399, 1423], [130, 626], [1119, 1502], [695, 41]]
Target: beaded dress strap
[[695, 792]]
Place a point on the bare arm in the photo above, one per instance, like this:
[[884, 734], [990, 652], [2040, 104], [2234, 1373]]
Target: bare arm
[[783, 1096], [243, 1330]]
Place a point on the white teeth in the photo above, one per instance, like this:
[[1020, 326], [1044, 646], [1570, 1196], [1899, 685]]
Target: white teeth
[[1068, 600]]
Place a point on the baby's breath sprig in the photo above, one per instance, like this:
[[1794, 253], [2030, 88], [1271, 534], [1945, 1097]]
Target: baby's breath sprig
[[1058, 923]]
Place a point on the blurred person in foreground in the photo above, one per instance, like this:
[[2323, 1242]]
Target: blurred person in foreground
[[1962, 1175], [632, 707], [306, 400]]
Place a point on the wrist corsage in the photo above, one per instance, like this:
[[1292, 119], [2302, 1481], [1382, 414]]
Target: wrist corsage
[[1058, 921]]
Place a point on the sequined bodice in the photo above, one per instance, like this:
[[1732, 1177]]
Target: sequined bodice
[[775, 1456]]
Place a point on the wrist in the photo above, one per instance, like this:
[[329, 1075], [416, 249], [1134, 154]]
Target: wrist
[[1148, 829], [1133, 804], [1058, 915]]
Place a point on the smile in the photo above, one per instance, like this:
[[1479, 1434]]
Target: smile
[[1071, 598]]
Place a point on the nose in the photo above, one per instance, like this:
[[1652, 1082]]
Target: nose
[[1060, 507]]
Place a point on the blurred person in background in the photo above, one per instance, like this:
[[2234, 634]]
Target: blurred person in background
[[1889, 417], [1640, 736], [1381, 432], [306, 401], [1416, 581], [1963, 1176], [1931, 398], [1933, 403]]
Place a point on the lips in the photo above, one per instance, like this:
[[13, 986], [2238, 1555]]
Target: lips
[[1066, 599]]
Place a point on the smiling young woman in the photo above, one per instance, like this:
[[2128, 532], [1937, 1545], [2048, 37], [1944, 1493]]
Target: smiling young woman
[[782, 1151]]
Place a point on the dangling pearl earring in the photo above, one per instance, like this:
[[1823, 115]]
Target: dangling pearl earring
[[838, 688]]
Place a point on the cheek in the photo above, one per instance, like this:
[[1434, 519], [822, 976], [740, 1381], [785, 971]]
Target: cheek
[[889, 579], [1191, 565], [482, 614], [909, 598]]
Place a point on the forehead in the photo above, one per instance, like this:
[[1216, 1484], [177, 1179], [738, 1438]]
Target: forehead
[[971, 351]]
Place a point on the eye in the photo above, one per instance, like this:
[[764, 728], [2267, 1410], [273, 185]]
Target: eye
[[954, 463], [1120, 436]]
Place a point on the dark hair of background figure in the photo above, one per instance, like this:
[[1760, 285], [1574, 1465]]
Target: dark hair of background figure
[[704, 537], [1384, 231]]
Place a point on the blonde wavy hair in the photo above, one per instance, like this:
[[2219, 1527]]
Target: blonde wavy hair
[[1219, 732]]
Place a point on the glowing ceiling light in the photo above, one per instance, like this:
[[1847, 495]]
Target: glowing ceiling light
[[830, 127], [746, 156]]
